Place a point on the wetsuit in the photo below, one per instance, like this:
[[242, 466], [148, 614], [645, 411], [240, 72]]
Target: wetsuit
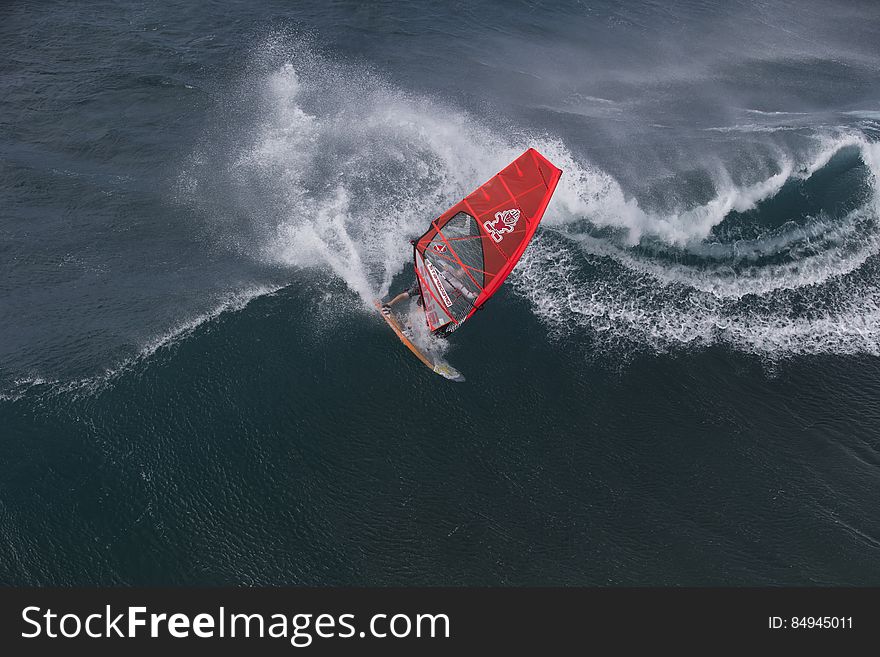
[[415, 291]]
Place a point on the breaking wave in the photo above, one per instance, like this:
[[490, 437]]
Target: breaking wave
[[334, 168], [808, 287]]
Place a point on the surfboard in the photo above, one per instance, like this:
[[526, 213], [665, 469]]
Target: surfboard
[[439, 367]]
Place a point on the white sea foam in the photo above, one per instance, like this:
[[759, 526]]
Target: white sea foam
[[845, 249], [347, 168], [389, 162], [755, 127], [585, 191], [232, 302], [633, 298], [21, 385]]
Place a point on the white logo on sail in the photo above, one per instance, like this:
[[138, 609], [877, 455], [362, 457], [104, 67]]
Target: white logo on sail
[[504, 222], [436, 278]]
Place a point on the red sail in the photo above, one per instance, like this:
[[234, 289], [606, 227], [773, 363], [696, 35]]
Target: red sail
[[471, 248]]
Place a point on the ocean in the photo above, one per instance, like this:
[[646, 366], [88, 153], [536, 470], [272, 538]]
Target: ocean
[[678, 385]]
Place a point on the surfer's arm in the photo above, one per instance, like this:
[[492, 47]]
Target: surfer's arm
[[399, 297]]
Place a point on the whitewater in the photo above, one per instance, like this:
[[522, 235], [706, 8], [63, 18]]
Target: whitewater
[[349, 168]]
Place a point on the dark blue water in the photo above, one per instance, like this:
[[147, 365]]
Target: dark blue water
[[680, 383]]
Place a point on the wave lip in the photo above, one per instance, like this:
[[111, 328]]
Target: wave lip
[[797, 290], [350, 167]]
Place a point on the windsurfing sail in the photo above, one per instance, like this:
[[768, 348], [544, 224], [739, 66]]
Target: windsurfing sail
[[470, 249]]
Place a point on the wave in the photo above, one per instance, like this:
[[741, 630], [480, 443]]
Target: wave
[[815, 253], [334, 168], [347, 167], [35, 384], [624, 312], [822, 299]]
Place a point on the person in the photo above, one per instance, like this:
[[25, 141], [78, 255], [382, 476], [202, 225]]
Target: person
[[459, 282], [414, 291]]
